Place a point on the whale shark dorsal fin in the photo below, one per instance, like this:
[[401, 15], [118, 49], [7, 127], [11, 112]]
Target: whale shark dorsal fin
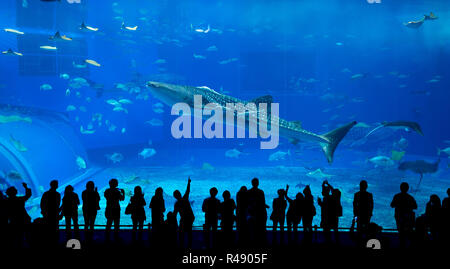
[[10, 50], [207, 88], [268, 99]]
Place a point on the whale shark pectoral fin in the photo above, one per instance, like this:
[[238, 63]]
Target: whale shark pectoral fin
[[297, 124], [418, 129], [334, 137]]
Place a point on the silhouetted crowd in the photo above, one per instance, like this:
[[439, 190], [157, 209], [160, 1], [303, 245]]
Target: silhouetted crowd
[[248, 214]]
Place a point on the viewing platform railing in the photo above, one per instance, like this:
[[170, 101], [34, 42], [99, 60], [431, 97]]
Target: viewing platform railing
[[199, 228]]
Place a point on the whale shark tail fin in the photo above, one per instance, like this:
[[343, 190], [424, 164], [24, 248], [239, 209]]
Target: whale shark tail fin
[[334, 137]]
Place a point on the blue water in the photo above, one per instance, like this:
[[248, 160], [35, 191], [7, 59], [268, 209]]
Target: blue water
[[303, 53]]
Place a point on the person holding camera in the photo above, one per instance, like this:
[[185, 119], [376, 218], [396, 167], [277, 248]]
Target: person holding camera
[[113, 197]]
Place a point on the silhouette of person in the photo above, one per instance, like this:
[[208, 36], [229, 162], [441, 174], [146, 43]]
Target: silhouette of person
[[257, 213], [158, 208], [433, 213], [170, 230], [91, 204], [18, 217], [294, 213], [50, 206], [309, 211], [113, 197], [446, 216], [138, 214], [331, 210], [325, 210], [362, 208], [183, 207], [3, 214], [211, 208], [404, 205], [69, 208], [242, 214], [335, 211], [227, 208], [278, 215]]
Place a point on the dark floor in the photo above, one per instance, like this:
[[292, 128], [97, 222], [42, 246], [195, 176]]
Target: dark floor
[[126, 238], [149, 249]]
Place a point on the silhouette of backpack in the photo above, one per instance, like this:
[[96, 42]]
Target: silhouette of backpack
[[129, 209]]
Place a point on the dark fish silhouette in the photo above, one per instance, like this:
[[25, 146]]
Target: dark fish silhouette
[[420, 167]]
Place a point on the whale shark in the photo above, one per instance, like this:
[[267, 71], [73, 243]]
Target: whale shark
[[171, 94]]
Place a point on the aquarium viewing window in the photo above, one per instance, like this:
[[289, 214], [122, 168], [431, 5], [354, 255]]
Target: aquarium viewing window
[[212, 125]]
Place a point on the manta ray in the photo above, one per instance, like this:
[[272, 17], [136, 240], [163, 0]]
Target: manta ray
[[399, 124], [419, 167], [11, 52]]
